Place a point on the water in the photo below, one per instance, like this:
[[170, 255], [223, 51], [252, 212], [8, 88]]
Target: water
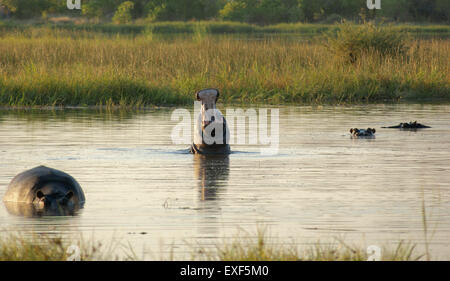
[[149, 192]]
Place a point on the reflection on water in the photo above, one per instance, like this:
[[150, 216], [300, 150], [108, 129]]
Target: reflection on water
[[31, 211], [211, 172], [322, 184]]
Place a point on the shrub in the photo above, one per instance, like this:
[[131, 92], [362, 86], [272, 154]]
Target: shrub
[[351, 42], [234, 11], [123, 13]]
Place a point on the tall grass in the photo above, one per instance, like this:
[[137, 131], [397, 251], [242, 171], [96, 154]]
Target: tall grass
[[23, 247], [46, 66], [262, 247]]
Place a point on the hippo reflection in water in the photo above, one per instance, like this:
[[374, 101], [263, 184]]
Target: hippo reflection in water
[[410, 125], [43, 191], [211, 172], [211, 134], [368, 133]]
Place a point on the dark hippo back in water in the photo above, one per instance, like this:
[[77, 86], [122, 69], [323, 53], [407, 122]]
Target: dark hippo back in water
[[43, 191]]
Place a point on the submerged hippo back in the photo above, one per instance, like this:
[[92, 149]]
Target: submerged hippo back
[[24, 187]]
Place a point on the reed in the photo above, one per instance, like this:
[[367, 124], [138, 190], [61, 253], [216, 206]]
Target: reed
[[262, 246], [242, 247], [32, 247], [44, 66]]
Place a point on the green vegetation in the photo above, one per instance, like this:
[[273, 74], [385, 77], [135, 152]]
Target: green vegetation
[[123, 13], [252, 11], [216, 28], [354, 42], [42, 66]]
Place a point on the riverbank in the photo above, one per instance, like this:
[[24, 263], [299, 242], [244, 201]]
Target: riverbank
[[45, 66]]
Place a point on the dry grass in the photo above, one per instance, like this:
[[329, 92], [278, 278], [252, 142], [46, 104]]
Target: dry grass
[[261, 246], [243, 247], [39, 247]]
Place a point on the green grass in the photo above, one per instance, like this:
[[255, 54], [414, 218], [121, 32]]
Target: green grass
[[213, 27], [48, 66], [352, 43]]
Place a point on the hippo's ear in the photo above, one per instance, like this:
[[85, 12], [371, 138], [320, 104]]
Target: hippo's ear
[[39, 194], [67, 197], [197, 96]]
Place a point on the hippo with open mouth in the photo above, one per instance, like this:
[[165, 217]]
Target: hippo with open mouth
[[369, 132], [43, 191], [211, 134], [410, 125]]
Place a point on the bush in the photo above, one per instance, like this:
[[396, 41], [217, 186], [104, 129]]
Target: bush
[[234, 11], [351, 42], [123, 13]]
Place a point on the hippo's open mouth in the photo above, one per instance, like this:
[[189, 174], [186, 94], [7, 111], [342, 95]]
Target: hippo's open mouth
[[206, 123], [211, 133]]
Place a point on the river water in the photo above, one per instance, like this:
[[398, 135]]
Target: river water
[[322, 184]]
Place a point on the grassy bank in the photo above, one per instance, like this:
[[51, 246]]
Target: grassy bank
[[43, 66], [261, 247], [212, 27]]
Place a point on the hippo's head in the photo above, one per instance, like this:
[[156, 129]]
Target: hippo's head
[[54, 197], [362, 133], [410, 125], [208, 98], [211, 130]]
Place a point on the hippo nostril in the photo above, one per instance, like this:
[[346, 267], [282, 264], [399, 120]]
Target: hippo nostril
[[39, 194]]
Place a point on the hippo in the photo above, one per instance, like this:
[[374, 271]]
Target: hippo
[[369, 132], [411, 125], [43, 191], [211, 136]]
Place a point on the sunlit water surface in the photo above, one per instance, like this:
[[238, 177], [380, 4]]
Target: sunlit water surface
[[144, 190]]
